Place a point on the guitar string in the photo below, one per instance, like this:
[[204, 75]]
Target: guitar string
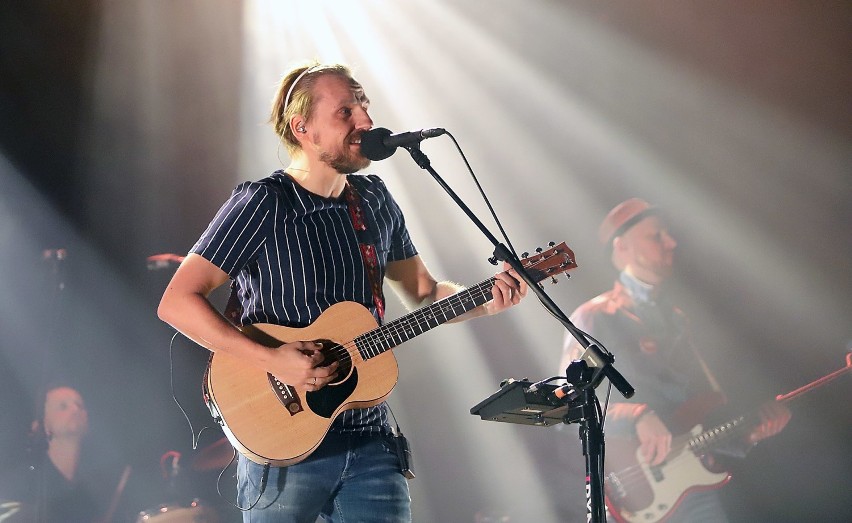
[[636, 473], [397, 327], [347, 351], [401, 330], [450, 304], [732, 428]]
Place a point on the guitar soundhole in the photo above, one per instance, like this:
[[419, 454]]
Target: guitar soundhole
[[335, 352], [325, 401]]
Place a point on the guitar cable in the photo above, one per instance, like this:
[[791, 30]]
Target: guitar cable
[[197, 437]]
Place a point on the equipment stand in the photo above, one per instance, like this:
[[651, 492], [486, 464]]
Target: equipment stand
[[583, 375]]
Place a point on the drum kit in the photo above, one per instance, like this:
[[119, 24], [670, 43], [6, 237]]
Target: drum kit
[[214, 457]]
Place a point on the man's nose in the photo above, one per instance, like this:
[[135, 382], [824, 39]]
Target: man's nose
[[363, 120]]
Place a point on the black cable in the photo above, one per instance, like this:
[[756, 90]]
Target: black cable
[[482, 192]]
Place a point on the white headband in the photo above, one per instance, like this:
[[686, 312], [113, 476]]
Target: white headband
[[293, 85]]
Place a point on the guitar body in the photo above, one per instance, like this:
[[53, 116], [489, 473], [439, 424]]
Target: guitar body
[[279, 424], [637, 492], [269, 428]]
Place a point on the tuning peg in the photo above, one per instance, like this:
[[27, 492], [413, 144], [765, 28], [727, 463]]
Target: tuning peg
[[553, 280], [525, 255], [551, 244], [538, 249]]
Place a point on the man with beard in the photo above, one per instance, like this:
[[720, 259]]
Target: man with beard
[[294, 244], [656, 354]]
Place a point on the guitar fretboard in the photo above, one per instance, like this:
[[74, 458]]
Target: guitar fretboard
[[709, 439], [400, 330]]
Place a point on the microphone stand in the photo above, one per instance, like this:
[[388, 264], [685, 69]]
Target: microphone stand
[[591, 430]]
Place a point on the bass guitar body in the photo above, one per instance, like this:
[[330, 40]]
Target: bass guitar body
[[639, 492]]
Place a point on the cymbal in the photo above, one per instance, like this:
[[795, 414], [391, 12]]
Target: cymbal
[[216, 456]]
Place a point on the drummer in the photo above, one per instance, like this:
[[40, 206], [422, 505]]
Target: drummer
[[50, 486]]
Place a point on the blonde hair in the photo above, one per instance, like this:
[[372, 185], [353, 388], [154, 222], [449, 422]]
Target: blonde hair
[[295, 97]]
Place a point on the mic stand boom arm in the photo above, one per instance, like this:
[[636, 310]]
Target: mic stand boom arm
[[599, 359], [591, 430]]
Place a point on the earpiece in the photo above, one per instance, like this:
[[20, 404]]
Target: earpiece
[[301, 129]]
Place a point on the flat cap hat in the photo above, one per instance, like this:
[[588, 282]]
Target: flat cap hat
[[622, 217]]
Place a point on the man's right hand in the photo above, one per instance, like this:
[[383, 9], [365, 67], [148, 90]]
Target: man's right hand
[[655, 440], [298, 364]]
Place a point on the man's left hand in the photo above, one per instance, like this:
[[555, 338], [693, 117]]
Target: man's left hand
[[508, 290], [773, 418]]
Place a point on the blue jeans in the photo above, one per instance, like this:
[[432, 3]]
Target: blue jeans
[[700, 507], [347, 479]]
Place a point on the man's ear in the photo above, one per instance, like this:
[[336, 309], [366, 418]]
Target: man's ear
[[617, 243], [297, 126], [619, 248]]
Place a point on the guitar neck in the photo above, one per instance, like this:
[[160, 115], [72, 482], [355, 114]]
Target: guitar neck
[[400, 330], [709, 439]]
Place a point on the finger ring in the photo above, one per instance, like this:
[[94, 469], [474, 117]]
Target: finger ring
[[315, 381]]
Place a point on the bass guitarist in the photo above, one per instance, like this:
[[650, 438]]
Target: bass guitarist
[[656, 353], [295, 243]]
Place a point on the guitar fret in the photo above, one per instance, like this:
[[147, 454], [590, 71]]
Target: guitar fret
[[397, 332]]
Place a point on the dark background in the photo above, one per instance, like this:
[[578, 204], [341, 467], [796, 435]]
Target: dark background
[[123, 128]]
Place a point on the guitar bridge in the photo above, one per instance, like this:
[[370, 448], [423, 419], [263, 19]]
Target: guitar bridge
[[286, 395]]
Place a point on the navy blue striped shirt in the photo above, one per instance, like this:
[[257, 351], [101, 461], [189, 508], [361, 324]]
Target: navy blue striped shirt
[[293, 254]]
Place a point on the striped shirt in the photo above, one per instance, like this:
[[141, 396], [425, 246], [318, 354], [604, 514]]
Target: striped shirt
[[293, 254]]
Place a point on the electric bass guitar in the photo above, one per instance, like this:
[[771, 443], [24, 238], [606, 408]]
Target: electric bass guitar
[[636, 492], [281, 424]]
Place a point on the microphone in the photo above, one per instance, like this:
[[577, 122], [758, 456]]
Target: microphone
[[379, 143]]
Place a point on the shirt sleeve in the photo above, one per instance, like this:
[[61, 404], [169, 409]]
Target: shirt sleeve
[[239, 229]]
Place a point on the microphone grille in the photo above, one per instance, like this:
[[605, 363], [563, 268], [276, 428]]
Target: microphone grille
[[372, 144]]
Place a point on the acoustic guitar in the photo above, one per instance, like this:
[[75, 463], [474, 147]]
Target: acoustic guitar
[[282, 424]]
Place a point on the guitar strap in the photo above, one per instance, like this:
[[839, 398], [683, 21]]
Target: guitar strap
[[710, 377], [233, 309], [368, 250], [371, 263]]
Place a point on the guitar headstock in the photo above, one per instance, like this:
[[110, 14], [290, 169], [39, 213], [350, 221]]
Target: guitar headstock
[[548, 263]]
